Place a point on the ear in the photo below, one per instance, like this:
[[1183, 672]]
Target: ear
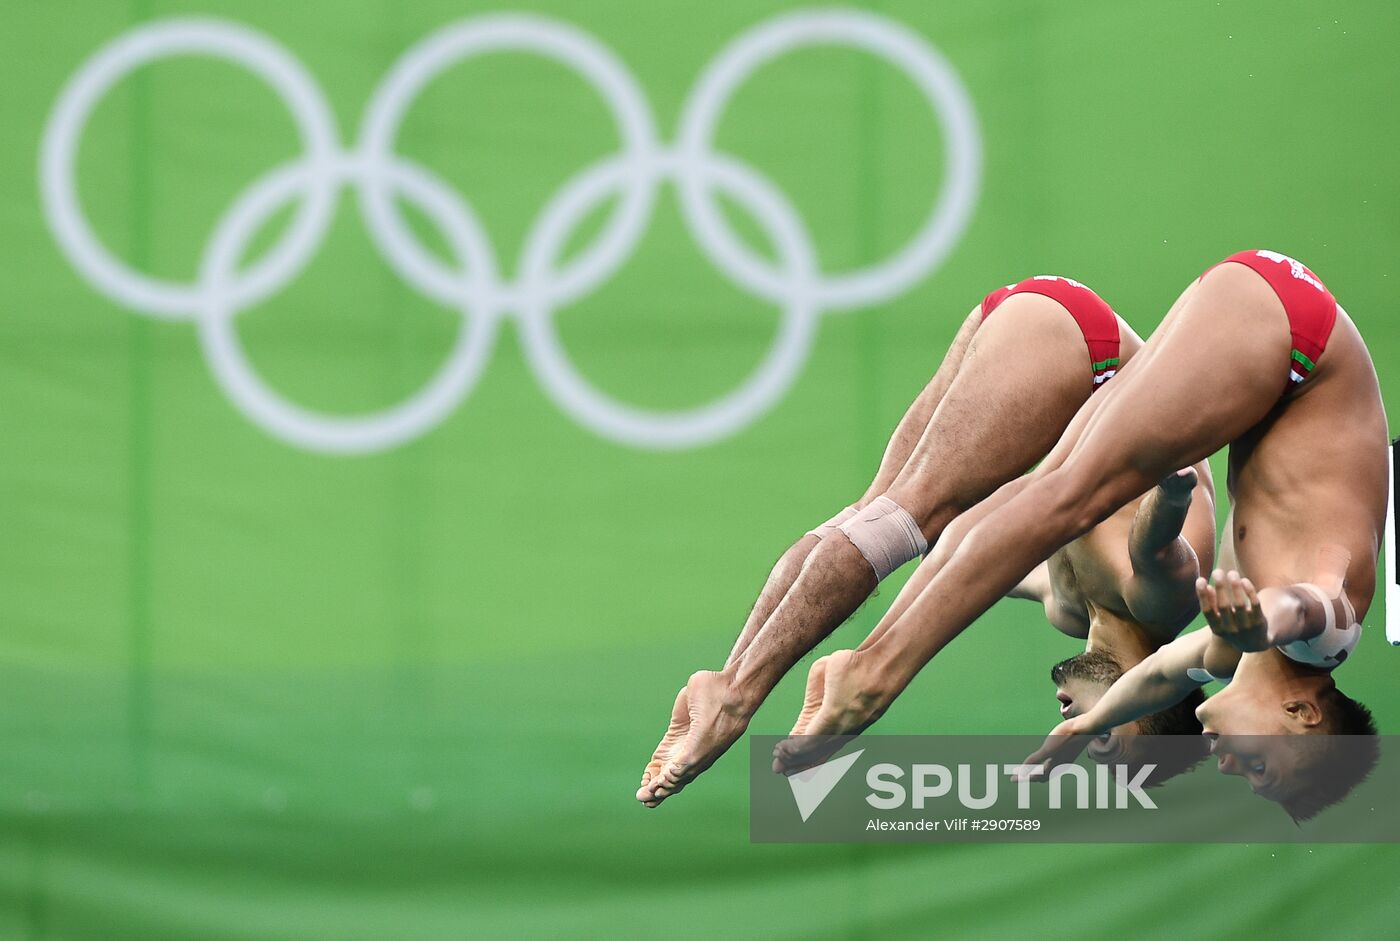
[[1304, 712]]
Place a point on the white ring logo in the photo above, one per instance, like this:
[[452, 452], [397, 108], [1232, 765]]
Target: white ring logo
[[474, 286]]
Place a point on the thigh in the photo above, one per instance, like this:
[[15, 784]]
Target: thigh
[[916, 418], [1211, 372], [1084, 419], [1026, 373]]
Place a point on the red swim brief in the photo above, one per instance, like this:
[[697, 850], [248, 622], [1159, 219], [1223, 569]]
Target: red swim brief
[[1311, 308], [1095, 318]]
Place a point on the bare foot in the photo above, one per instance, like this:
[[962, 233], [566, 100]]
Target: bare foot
[[849, 701], [812, 701], [716, 719], [817, 749], [666, 750]]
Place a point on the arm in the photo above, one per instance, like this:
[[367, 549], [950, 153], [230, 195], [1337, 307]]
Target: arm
[[1156, 683], [1250, 620], [1293, 614], [1035, 586], [1161, 547]]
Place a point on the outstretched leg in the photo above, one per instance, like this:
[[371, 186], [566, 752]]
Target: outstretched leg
[[1025, 375], [805, 746], [1214, 370], [901, 444]]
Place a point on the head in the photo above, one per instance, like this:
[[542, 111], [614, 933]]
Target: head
[[1082, 679], [1304, 746]]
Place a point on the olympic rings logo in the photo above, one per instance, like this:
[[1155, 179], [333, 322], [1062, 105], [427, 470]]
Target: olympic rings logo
[[473, 284]]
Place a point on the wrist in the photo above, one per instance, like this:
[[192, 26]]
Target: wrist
[[1078, 726]]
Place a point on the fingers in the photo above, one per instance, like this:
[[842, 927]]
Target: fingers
[[1250, 593], [1041, 756], [1243, 606], [1236, 601], [1179, 485], [1231, 607], [1225, 598], [1062, 746], [1210, 602], [1229, 604]]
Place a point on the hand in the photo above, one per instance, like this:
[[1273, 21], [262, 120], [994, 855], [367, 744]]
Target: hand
[[1232, 609], [1062, 746], [1178, 486]]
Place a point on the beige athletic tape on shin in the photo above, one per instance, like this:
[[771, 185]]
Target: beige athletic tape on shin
[[833, 524], [886, 535]]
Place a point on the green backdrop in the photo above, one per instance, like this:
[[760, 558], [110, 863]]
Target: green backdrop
[[253, 690]]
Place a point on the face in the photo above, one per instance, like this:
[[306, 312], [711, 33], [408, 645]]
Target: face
[[1269, 763], [1079, 682], [1253, 734], [1243, 708]]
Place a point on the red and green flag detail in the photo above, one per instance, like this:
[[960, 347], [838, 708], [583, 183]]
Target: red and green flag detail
[[1104, 370], [1301, 367]]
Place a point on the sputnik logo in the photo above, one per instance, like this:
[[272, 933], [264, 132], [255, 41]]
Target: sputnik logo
[[811, 787]]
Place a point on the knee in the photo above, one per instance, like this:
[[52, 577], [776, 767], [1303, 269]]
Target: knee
[[930, 509], [886, 534]]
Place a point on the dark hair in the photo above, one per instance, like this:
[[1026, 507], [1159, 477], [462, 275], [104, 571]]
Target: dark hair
[[1179, 719], [1188, 747], [1342, 757]]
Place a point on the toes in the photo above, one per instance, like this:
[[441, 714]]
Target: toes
[[673, 779], [785, 755], [675, 773], [649, 782], [795, 755]]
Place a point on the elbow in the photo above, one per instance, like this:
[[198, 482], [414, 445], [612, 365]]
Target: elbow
[[1181, 608], [1171, 601], [1287, 615]]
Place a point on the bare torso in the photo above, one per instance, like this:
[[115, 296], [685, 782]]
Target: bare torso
[[1087, 577], [1313, 474]]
